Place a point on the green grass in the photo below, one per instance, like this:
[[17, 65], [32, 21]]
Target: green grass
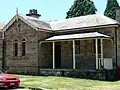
[[65, 83]]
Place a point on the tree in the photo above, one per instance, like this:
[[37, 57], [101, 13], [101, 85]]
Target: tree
[[110, 10], [81, 8]]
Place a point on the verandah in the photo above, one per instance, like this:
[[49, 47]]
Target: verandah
[[81, 36]]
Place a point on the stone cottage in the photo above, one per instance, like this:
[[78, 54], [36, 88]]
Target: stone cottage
[[90, 42]]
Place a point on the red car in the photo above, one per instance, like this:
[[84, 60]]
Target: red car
[[8, 80]]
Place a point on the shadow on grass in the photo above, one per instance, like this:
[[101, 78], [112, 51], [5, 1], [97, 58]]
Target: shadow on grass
[[30, 88]]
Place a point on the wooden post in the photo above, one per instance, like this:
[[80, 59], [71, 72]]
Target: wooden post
[[102, 59], [74, 66], [96, 43], [53, 54]]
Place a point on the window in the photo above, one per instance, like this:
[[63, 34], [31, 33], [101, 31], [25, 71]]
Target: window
[[94, 46], [77, 47], [15, 48], [23, 47]]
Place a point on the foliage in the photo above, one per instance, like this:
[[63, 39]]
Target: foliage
[[81, 8], [110, 10]]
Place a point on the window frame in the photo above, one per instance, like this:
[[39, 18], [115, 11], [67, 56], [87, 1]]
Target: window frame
[[15, 48], [23, 47]]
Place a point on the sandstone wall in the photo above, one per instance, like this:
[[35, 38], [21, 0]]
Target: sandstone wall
[[0, 49], [21, 64]]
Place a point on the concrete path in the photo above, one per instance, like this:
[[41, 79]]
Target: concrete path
[[15, 89], [19, 89], [22, 88]]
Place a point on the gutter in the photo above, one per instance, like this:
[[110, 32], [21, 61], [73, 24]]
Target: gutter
[[84, 28]]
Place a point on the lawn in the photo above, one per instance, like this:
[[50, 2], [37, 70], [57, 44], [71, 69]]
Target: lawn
[[66, 83]]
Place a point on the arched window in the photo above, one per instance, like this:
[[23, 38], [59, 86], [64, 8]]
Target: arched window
[[23, 47], [16, 48]]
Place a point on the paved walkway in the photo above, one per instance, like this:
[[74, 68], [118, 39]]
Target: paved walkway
[[16, 89], [22, 88], [19, 89]]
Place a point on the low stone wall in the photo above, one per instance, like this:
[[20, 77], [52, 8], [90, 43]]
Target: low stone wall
[[26, 70], [87, 74]]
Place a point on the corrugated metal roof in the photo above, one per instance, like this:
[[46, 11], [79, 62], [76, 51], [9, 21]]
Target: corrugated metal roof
[[77, 22], [82, 22], [78, 36], [37, 22]]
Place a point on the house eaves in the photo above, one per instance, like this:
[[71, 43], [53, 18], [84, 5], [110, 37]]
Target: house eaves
[[82, 22], [87, 28]]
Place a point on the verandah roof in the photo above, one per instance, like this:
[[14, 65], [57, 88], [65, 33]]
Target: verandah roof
[[78, 36]]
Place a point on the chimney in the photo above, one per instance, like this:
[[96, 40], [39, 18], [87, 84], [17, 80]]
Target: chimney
[[33, 13], [118, 14]]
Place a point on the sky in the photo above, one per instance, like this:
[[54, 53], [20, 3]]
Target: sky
[[49, 9]]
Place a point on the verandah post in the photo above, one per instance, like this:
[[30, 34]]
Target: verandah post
[[53, 54], [102, 60], [96, 44], [74, 66]]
